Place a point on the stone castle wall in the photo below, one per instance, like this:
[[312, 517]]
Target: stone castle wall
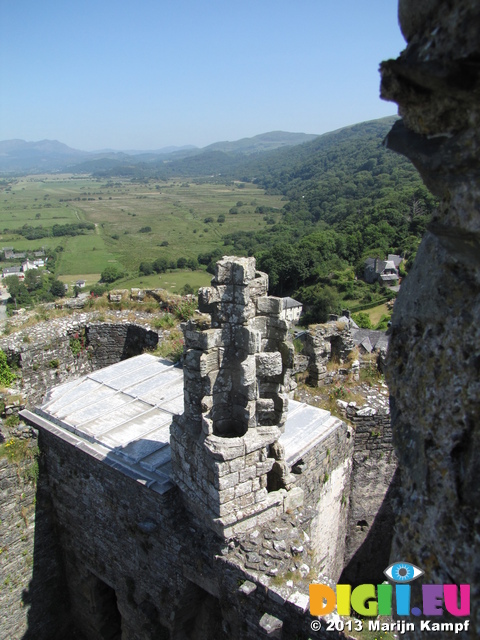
[[30, 606], [323, 343], [51, 353], [113, 579], [373, 484], [158, 569], [324, 474], [32, 589]]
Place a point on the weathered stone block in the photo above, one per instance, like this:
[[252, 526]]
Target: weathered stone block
[[206, 403], [269, 389], [210, 338], [293, 499], [248, 371], [281, 403], [226, 495], [262, 493], [234, 313], [192, 359], [243, 270], [218, 383], [223, 271], [207, 425], [246, 339], [241, 294], [259, 323], [269, 305], [246, 500], [247, 587], [208, 362], [227, 481], [253, 456], [288, 355], [259, 286], [247, 473], [207, 298], [300, 601], [269, 364], [265, 404], [276, 334], [243, 488], [223, 449], [264, 467]]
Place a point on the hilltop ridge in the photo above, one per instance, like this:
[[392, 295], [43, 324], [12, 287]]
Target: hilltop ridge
[[23, 156]]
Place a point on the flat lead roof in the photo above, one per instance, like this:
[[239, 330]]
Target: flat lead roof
[[122, 415]]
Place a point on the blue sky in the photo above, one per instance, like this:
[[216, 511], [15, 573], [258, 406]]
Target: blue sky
[[145, 74]]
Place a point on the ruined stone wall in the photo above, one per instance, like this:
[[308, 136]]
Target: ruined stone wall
[[134, 541], [237, 371], [109, 343], [32, 592], [27, 537], [324, 475], [325, 342], [371, 501], [17, 530], [433, 362], [49, 354]]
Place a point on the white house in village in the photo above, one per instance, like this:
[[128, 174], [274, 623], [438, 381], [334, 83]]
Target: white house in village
[[28, 264], [292, 310]]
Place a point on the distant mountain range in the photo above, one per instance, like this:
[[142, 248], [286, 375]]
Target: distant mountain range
[[19, 156]]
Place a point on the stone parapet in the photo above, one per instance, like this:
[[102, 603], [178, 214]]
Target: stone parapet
[[53, 352]]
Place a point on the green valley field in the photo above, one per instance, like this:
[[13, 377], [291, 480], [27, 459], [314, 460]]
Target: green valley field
[[134, 222]]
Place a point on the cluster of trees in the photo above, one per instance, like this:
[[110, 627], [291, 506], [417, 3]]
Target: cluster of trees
[[34, 233], [38, 286], [210, 258], [160, 265], [110, 274]]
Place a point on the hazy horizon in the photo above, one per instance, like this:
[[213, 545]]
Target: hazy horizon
[[155, 74]]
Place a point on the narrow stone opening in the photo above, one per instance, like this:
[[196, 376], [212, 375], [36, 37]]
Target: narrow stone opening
[[363, 524], [230, 419], [336, 349], [200, 617], [276, 475], [229, 429], [299, 467], [104, 615]]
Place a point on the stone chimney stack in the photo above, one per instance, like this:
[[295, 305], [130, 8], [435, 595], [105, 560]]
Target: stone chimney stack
[[236, 369]]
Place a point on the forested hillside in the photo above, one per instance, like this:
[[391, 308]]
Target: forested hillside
[[347, 198]]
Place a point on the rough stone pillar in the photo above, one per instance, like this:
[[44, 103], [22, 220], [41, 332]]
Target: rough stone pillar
[[434, 354], [236, 370]]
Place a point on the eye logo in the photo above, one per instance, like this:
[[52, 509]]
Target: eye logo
[[367, 600], [403, 572]]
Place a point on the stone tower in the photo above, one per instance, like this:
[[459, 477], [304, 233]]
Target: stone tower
[[225, 456]]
